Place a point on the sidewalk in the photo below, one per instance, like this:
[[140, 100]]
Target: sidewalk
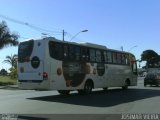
[[9, 86]]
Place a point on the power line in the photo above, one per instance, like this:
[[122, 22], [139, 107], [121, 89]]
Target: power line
[[28, 25]]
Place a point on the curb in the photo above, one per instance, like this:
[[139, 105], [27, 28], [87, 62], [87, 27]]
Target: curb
[[9, 86]]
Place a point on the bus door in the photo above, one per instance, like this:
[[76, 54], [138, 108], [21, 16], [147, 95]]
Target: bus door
[[101, 69], [134, 68]]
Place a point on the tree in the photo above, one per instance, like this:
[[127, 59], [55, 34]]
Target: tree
[[6, 37], [12, 60], [151, 57], [3, 72], [147, 55]]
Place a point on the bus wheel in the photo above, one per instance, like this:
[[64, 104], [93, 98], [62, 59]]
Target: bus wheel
[[81, 92], [88, 87], [127, 83], [105, 89], [64, 92]]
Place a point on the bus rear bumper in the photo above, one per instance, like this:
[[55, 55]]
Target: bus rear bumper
[[33, 85]]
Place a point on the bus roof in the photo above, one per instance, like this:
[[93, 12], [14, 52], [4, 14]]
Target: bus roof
[[93, 45], [80, 43], [86, 44]]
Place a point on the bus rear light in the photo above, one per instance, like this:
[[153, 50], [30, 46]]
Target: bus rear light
[[45, 75]]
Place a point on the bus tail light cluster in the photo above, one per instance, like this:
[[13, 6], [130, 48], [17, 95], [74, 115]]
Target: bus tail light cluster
[[45, 75]]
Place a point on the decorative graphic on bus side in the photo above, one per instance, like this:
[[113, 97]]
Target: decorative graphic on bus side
[[75, 72]]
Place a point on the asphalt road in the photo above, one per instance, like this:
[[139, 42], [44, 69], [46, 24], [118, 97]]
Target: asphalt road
[[137, 99]]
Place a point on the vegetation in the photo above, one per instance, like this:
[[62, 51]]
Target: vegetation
[[6, 80], [147, 55], [3, 72], [151, 57], [13, 74], [12, 60], [6, 37], [9, 39]]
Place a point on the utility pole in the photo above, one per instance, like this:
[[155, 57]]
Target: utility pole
[[63, 35], [121, 48]]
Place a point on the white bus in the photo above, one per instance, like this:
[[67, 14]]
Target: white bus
[[51, 64]]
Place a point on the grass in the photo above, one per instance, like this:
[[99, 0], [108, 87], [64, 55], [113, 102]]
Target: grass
[[6, 80]]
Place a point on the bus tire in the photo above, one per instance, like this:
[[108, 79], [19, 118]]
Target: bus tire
[[127, 83], [105, 88], [87, 88], [81, 92], [64, 92]]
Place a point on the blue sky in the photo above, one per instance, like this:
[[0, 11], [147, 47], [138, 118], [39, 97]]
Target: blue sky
[[113, 23]]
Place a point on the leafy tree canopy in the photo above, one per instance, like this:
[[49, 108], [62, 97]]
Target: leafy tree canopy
[[151, 57], [12, 60], [147, 55], [3, 72], [6, 37]]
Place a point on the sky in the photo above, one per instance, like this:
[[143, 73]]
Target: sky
[[131, 24]]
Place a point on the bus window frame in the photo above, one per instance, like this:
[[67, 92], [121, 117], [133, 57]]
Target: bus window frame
[[91, 57], [98, 56], [65, 52], [119, 58], [84, 54], [114, 57]]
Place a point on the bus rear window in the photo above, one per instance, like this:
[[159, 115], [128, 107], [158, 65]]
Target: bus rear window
[[25, 50]]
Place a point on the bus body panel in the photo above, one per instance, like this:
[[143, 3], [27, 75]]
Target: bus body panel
[[29, 85], [30, 73]]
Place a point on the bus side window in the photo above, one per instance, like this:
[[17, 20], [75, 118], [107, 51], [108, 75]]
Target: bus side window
[[65, 52], [51, 44], [109, 57], [127, 60], [59, 51], [119, 58], [92, 55], [114, 57], [98, 56], [84, 54], [56, 50], [71, 53], [105, 56], [123, 59], [77, 53]]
